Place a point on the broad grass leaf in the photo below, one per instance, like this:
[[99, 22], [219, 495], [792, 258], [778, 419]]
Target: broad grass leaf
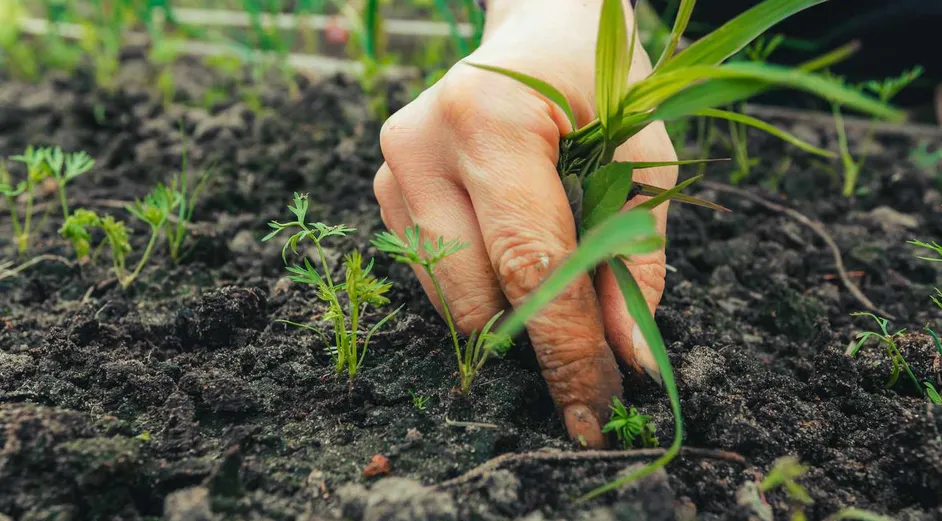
[[628, 233], [771, 129], [612, 62], [677, 32], [545, 89], [736, 34], [606, 190], [654, 191]]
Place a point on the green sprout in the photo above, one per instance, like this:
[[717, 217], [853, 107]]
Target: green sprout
[[480, 345], [37, 170], [690, 83], [418, 401], [360, 287], [188, 193], [885, 90], [633, 429], [785, 471], [64, 168], [936, 249], [932, 393], [892, 350], [928, 162]]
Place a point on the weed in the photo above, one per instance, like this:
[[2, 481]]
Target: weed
[[633, 429], [885, 90], [690, 83], [936, 249], [360, 288], [892, 350], [188, 193], [932, 393], [419, 401], [480, 345]]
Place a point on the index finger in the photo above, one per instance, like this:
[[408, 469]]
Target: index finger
[[528, 230]]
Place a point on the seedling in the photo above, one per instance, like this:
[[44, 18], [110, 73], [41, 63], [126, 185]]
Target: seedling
[[480, 345], [928, 162], [691, 83], [885, 90], [785, 471], [64, 168], [892, 350], [360, 287], [633, 429], [37, 170], [936, 250], [188, 193], [932, 393], [419, 401]]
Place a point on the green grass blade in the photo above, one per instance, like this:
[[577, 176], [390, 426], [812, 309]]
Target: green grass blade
[[638, 308], [545, 89], [736, 34], [655, 191], [638, 165], [677, 32], [612, 62], [605, 192], [771, 129], [629, 233], [857, 514], [373, 330], [666, 195]]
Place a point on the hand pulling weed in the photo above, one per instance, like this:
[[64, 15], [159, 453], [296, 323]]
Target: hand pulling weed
[[481, 345], [359, 290], [690, 83]]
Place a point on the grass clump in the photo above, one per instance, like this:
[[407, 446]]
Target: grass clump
[[481, 345], [633, 429], [689, 83], [418, 401], [348, 300]]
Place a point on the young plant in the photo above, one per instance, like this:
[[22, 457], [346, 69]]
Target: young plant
[[37, 171], [481, 345], [885, 90], [188, 194], [690, 83], [785, 471], [64, 168], [932, 393], [936, 249], [418, 401], [892, 350], [633, 429], [360, 288]]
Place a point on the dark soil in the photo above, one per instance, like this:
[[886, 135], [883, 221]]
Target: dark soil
[[182, 398]]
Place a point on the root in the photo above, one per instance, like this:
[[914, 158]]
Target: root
[[818, 229], [582, 456]]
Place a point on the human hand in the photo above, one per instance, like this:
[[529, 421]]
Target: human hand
[[474, 158]]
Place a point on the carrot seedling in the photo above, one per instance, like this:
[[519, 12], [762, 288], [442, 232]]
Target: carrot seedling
[[37, 171], [360, 288], [188, 193], [481, 345], [633, 429], [64, 168]]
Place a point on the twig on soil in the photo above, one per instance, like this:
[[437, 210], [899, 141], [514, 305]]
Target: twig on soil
[[582, 456], [818, 229], [453, 423], [6, 272]]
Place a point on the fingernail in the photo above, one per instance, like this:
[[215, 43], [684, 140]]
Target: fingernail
[[583, 426], [643, 355]]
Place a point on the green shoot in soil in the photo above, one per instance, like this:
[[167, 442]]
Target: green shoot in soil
[[935, 248], [481, 345], [64, 168], [885, 90], [932, 393], [37, 170], [189, 194], [693, 82], [418, 401], [359, 290], [633, 429], [892, 350]]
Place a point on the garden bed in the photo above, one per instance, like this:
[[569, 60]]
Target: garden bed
[[181, 397]]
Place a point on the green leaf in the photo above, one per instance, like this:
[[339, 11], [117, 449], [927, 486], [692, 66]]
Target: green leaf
[[736, 34], [606, 191], [666, 195], [677, 32], [655, 191], [638, 309], [766, 127], [631, 232], [612, 63], [543, 88]]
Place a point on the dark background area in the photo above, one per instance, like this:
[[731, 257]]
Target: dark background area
[[895, 35]]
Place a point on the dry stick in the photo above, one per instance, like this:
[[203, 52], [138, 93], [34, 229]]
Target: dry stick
[[581, 456], [817, 228], [8, 273]]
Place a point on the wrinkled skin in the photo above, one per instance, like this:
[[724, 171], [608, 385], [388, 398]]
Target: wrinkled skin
[[474, 157]]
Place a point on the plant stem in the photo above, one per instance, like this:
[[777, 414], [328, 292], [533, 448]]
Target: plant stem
[[451, 323], [14, 217], [60, 185], [128, 280]]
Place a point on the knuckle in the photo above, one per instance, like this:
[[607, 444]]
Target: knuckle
[[397, 133], [522, 262], [462, 101]]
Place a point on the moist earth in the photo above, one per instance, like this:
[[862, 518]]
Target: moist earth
[[182, 397]]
